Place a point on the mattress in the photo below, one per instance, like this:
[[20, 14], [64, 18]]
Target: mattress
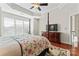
[[26, 45]]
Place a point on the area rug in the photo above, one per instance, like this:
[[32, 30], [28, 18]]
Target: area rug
[[57, 51]]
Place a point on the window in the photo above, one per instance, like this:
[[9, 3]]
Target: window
[[8, 26], [19, 27], [26, 27], [13, 25]]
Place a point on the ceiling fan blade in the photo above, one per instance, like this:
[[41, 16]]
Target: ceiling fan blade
[[32, 7], [43, 4], [39, 8]]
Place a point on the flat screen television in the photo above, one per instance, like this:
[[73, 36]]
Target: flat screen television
[[52, 27]]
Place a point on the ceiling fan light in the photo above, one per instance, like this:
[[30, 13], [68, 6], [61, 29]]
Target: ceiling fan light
[[36, 5]]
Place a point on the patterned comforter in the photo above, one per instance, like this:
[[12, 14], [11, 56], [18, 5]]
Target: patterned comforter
[[33, 45], [29, 45]]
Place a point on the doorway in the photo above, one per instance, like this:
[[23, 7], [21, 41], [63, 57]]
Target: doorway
[[75, 30]]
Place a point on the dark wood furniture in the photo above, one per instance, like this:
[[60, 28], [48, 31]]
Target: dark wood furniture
[[53, 36]]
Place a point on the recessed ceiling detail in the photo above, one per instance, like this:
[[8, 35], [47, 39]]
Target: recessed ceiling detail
[[44, 9]]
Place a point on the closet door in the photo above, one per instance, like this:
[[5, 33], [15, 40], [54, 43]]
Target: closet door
[[36, 27]]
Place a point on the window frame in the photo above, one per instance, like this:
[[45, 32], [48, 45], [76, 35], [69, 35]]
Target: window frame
[[15, 17]]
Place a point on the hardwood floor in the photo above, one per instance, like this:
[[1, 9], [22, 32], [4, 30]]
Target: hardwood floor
[[74, 50], [63, 45]]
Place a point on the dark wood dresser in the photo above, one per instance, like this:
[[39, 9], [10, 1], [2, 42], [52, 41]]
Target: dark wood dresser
[[53, 36]]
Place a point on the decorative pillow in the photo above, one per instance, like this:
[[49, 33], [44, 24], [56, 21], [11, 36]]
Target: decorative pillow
[[57, 51]]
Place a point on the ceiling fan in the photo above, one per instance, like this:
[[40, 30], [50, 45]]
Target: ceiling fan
[[37, 5]]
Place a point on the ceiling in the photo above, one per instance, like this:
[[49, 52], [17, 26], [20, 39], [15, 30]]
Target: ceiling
[[25, 8], [44, 9]]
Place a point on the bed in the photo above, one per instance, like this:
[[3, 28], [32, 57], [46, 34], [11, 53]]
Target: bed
[[23, 45]]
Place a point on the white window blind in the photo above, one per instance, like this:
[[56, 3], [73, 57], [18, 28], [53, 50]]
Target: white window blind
[[8, 26], [19, 27], [13, 25], [26, 27]]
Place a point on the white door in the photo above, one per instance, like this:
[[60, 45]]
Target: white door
[[75, 30]]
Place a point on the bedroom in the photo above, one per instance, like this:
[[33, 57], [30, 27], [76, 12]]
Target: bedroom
[[21, 21]]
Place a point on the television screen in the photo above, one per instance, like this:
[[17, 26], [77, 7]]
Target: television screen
[[52, 27]]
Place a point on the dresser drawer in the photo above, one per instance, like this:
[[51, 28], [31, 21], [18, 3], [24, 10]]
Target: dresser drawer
[[53, 36]]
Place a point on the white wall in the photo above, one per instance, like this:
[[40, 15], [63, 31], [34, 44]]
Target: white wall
[[61, 16]]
